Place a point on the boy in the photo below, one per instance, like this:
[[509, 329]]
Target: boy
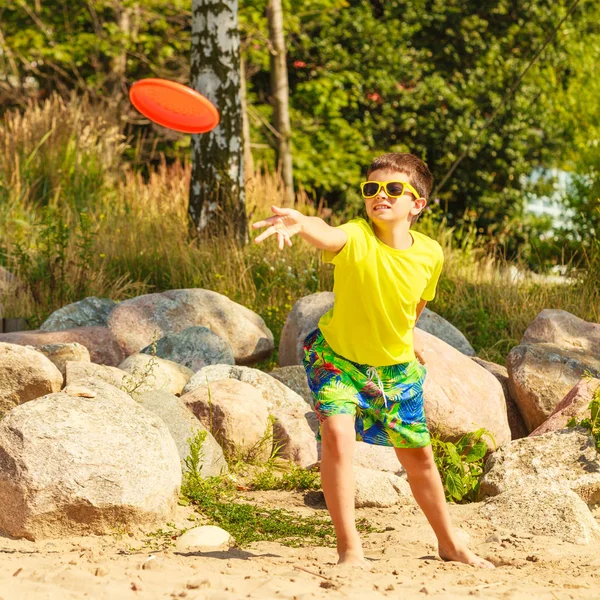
[[361, 364]]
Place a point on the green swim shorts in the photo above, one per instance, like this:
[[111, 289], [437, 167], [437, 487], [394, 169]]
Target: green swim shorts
[[386, 402]]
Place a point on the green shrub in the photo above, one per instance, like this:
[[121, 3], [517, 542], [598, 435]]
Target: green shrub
[[460, 464]]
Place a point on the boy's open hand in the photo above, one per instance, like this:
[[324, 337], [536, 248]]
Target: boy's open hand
[[286, 223]]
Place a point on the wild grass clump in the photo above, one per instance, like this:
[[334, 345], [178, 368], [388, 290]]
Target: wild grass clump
[[218, 502]]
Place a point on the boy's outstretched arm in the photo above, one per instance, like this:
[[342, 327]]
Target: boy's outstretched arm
[[287, 222]]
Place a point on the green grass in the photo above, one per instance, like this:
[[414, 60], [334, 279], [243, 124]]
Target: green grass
[[218, 501], [591, 423]]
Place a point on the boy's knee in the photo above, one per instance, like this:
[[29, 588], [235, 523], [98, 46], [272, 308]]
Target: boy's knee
[[417, 461], [338, 436]]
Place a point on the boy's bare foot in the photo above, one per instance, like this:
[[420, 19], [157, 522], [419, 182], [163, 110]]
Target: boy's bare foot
[[464, 555], [353, 558]]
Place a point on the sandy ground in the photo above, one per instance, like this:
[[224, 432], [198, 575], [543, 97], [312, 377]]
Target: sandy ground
[[403, 562]]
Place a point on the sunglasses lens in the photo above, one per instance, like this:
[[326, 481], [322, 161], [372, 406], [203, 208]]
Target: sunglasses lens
[[370, 189], [394, 189]]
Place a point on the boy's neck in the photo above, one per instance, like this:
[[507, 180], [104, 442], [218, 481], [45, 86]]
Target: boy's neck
[[395, 235]]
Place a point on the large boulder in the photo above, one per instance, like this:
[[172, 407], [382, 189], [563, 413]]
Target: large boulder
[[76, 370], [564, 330], [60, 354], [575, 404], [88, 312], [236, 414], [77, 465], [517, 426], [540, 375], [138, 322], [302, 319], [184, 427], [460, 396], [276, 395], [102, 345], [154, 373], [294, 377], [194, 347], [435, 325], [25, 374], [560, 459], [539, 511], [377, 489], [293, 416], [294, 437]]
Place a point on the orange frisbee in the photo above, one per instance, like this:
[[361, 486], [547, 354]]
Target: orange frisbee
[[174, 105]]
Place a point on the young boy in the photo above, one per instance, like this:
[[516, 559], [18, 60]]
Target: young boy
[[361, 363]]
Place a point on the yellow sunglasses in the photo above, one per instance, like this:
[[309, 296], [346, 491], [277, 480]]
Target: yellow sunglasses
[[394, 189]]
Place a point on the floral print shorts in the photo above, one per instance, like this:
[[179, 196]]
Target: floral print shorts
[[386, 402]]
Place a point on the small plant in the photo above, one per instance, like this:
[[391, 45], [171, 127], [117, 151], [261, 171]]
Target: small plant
[[162, 539], [219, 502], [292, 478], [592, 424], [461, 464], [140, 376]]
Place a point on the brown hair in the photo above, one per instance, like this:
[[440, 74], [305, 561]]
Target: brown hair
[[420, 176]]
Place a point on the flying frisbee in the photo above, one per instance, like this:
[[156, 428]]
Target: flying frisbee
[[174, 105]]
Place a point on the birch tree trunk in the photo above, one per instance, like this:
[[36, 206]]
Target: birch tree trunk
[[280, 95], [217, 201]]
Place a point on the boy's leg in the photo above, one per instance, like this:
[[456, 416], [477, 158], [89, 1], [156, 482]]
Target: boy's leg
[[427, 488], [337, 448]]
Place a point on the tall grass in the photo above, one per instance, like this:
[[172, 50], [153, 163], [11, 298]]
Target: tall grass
[[76, 220]]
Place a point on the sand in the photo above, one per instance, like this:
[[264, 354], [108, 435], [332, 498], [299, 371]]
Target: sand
[[403, 560]]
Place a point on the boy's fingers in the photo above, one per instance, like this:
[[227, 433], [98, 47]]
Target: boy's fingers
[[263, 223], [265, 234]]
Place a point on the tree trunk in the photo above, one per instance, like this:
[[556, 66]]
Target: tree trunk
[[280, 95], [248, 160], [217, 200]]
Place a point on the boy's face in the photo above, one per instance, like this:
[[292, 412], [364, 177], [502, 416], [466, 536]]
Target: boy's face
[[382, 208]]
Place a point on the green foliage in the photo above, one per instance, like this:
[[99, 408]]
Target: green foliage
[[54, 273], [292, 477], [461, 464], [591, 423], [217, 500], [365, 77]]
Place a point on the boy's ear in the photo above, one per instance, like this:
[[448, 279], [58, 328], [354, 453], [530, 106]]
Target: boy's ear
[[419, 206]]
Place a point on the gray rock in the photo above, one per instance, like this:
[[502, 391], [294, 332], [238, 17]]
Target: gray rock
[[183, 426], [237, 415], [59, 354], [435, 325], [576, 404], [76, 370], [564, 330], [275, 393], [294, 377], [206, 536], [303, 318], [539, 511], [71, 465], [560, 459], [378, 489], [517, 426], [154, 373], [293, 418], [85, 313], [25, 374], [541, 375], [194, 347], [136, 323], [100, 342]]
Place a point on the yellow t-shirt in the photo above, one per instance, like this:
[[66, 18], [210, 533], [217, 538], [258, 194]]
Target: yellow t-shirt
[[377, 289]]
